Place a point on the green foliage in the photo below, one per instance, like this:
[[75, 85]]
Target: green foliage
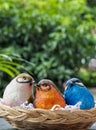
[[88, 78], [7, 65], [55, 35], [92, 3]]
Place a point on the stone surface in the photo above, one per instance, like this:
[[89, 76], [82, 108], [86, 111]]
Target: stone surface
[[4, 125]]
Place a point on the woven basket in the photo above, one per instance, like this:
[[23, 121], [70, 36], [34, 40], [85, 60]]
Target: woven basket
[[39, 119]]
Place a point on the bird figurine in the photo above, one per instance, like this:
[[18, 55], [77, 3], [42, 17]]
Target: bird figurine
[[47, 95], [75, 92], [18, 90]]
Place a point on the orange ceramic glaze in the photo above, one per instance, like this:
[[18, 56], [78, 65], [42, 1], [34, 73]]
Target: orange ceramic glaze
[[47, 95]]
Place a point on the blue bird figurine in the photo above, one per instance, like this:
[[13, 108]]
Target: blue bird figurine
[[75, 92]]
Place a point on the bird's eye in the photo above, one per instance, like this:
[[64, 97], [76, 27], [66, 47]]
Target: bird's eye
[[45, 85], [77, 81], [24, 78]]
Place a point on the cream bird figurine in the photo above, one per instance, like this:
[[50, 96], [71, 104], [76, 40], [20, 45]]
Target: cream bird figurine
[[18, 90]]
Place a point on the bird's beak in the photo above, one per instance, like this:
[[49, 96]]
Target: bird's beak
[[66, 87], [32, 82], [38, 85]]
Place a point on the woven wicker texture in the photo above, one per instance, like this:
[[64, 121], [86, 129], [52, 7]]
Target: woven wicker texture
[[48, 120]]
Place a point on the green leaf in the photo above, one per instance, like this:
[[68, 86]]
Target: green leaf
[[10, 68], [9, 72], [6, 57]]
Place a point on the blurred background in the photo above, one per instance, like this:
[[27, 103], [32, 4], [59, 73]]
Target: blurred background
[[54, 39]]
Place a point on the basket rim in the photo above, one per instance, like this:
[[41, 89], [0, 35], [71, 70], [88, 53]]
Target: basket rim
[[47, 119], [17, 112]]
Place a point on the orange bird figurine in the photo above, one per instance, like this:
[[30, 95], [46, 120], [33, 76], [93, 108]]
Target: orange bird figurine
[[47, 95]]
